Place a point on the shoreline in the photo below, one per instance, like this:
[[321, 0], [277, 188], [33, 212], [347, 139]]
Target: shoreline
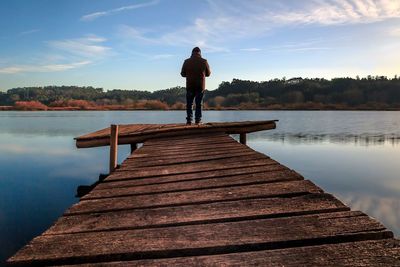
[[207, 109]]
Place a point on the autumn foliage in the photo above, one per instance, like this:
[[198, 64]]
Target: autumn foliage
[[74, 103], [29, 105], [151, 104], [179, 106], [77, 104]]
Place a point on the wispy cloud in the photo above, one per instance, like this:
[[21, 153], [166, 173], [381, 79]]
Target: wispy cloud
[[182, 37], [11, 69], [42, 68], [135, 33], [147, 56], [65, 55], [161, 56], [29, 32], [309, 45], [251, 49], [96, 15], [394, 32], [89, 46], [340, 12], [239, 19]]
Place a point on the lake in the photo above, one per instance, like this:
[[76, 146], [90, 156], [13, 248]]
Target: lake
[[354, 155]]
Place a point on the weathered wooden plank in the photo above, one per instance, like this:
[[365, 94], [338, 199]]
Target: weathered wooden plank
[[170, 150], [99, 133], [193, 240], [264, 175], [206, 147], [198, 214], [197, 166], [238, 169], [188, 137], [113, 190], [136, 128], [291, 188], [354, 254], [195, 140], [219, 164], [133, 163], [160, 150], [139, 128], [144, 155], [193, 146], [123, 128], [176, 146]]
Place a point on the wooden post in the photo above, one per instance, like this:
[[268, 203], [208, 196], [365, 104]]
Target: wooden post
[[243, 138], [133, 147], [113, 147]]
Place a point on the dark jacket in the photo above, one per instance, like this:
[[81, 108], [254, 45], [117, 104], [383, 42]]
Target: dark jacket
[[195, 69]]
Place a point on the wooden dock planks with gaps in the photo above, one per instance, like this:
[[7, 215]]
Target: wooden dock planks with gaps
[[204, 199]]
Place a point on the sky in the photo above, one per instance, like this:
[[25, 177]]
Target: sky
[[141, 44]]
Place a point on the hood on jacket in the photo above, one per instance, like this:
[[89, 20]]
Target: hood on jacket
[[196, 51]]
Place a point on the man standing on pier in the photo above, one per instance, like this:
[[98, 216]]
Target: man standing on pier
[[195, 69]]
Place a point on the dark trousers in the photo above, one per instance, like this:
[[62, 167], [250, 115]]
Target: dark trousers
[[197, 97]]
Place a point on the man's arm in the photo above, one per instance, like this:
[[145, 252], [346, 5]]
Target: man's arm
[[208, 71], [183, 71]]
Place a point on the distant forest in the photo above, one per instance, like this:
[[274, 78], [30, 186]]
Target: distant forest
[[370, 93]]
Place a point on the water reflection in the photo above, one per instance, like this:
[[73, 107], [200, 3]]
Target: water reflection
[[336, 138], [385, 209]]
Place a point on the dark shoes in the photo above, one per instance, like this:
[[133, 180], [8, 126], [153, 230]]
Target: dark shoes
[[197, 122]]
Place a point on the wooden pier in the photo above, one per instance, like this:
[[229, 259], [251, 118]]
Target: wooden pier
[[193, 196]]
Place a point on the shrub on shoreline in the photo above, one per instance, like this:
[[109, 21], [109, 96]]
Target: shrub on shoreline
[[29, 105], [73, 103]]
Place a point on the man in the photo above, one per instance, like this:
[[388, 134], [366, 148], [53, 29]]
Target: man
[[195, 69]]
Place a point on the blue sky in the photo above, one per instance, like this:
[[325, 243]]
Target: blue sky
[[140, 44]]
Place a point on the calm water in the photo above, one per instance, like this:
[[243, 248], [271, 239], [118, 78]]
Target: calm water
[[354, 155]]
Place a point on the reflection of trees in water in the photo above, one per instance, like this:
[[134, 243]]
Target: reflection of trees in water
[[339, 138]]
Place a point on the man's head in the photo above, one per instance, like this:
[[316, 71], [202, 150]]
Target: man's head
[[196, 50]]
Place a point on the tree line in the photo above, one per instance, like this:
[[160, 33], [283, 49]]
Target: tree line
[[372, 92], [377, 92]]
